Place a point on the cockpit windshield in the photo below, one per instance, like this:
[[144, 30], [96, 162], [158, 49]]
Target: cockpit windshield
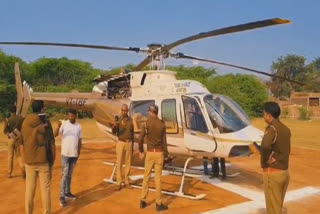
[[225, 114]]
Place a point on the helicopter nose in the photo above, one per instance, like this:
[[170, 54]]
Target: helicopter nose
[[252, 134]]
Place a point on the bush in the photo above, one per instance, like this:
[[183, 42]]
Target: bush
[[304, 113], [285, 112]]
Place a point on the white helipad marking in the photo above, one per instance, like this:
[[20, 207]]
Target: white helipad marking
[[256, 197], [245, 192]]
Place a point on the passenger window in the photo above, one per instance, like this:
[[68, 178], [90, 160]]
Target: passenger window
[[169, 115], [139, 113], [193, 115]]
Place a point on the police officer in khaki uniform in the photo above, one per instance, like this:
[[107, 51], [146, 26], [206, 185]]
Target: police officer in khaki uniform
[[275, 150], [12, 123], [123, 128], [154, 135]]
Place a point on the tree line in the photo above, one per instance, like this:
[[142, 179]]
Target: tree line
[[65, 75]]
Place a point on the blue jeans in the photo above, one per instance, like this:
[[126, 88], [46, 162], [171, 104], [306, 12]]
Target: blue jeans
[[68, 164]]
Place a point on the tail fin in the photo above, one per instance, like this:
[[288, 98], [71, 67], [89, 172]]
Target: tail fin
[[23, 93], [18, 87], [27, 91]]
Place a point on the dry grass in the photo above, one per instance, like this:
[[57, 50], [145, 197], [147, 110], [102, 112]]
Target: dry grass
[[305, 134]]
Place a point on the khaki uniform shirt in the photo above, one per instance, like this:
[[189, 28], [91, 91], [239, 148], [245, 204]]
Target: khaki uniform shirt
[[276, 144], [154, 134], [14, 121], [124, 129]]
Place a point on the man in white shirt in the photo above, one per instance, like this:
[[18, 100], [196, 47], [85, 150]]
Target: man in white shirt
[[71, 133]]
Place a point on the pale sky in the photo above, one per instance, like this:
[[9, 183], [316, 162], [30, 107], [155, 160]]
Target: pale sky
[[138, 23]]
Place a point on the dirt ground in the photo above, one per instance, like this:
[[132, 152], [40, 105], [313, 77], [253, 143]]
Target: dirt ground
[[96, 196]]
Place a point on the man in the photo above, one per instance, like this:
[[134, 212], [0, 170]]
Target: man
[[37, 140], [123, 128], [154, 135], [71, 133], [13, 123], [197, 120], [275, 150]]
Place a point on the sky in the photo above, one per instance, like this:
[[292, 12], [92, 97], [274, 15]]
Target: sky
[[141, 22]]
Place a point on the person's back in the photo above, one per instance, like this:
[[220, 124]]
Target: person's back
[[156, 129], [37, 142], [12, 128], [14, 121], [33, 131], [154, 134]]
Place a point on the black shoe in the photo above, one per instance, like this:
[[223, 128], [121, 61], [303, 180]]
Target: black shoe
[[224, 177], [161, 207], [63, 202], [70, 196], [214, 175], [143, 204]]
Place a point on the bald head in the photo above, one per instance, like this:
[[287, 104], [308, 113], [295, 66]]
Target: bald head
[[124, 110]]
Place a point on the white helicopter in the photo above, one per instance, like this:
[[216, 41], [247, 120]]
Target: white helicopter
[[199, 123]]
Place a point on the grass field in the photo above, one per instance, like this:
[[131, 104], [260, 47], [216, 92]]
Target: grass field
[[305, 134]]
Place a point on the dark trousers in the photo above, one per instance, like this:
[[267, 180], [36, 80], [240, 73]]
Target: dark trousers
[[216, 168]]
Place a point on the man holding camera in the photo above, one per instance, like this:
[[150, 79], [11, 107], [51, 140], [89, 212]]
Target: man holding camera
[[123, 128], [11, 125]]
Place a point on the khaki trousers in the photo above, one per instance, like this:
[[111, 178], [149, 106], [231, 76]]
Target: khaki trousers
[[124, 151], [275, 187], [13, 150], [153, 159], [33, 171]]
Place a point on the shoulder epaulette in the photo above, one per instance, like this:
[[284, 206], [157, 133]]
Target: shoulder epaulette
[[275, 133]]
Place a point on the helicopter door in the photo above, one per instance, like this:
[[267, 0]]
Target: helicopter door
[[196, 134]]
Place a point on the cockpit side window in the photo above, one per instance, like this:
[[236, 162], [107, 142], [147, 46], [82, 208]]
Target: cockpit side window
[[169, 115], [139, 113], [193, 115]]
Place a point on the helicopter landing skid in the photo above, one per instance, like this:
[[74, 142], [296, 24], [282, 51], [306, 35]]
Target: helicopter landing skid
[[180, 193]]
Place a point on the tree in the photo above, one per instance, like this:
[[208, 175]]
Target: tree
[[290, 66], [197, 73], [62, 72], [316, 63], [7, 81], [247, 90]]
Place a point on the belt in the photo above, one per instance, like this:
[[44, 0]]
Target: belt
[[154, 150], [125, 140], [270, 169]]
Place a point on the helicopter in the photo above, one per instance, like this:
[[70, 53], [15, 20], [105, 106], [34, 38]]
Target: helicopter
[[198, 123]]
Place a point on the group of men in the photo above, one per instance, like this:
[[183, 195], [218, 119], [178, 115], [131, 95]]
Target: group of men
[[32, 141], [37, 148]]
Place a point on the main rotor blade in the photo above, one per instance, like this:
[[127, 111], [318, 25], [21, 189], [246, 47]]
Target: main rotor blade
[[182, 56], [227, 30], [74, 46], [142, 64]]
